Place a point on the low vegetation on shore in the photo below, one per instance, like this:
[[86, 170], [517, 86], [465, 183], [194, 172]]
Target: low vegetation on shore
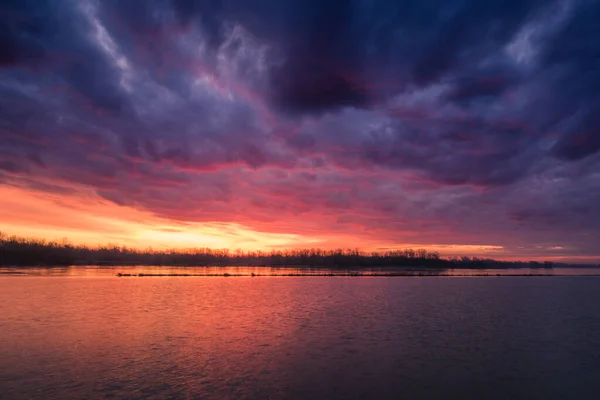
[[18, 251]]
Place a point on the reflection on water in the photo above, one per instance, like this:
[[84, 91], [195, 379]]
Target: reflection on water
[[299, 337], [103, 271]]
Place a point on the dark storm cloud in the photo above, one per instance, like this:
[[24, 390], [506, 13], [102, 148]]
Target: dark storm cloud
[[333, 51], [583, 139], [575, 51], [21, 31], [403, 114], [42, 36], [480, 87]]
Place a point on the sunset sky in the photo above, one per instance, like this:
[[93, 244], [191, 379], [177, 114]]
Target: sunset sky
[[467, 127]]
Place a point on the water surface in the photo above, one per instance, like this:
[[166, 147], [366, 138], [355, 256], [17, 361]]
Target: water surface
[[100, 337], [99, 271]]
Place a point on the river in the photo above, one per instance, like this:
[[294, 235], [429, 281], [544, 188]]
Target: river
[[92, 335]]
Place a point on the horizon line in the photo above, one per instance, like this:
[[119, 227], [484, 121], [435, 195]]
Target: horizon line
[[240, 253]]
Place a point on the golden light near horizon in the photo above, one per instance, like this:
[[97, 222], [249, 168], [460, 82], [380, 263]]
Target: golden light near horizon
[[87, 219], [84, 218], [92, 221]]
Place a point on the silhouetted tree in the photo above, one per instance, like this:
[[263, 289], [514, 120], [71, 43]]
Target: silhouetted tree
[[17, 251]]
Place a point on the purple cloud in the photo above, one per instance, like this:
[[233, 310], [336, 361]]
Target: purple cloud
[[453, 122]]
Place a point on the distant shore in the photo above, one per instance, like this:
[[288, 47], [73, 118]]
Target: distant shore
[[26, 252], [332, 274], [122, 271]]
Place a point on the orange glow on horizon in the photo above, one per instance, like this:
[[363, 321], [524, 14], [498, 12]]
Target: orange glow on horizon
[[90, 220], [84, 218]]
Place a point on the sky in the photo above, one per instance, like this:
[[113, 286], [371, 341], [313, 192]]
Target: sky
[[459, 126]]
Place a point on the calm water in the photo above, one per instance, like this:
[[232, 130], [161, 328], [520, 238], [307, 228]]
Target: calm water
[[96, 271], [99, 336]]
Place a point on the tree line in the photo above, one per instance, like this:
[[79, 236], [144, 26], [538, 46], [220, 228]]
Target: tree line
[[19, 251]]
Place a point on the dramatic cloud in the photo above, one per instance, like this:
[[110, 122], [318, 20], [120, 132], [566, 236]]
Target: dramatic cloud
[[432, 122]]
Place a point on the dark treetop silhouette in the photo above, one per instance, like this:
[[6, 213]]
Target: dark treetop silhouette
[[17, 251]]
